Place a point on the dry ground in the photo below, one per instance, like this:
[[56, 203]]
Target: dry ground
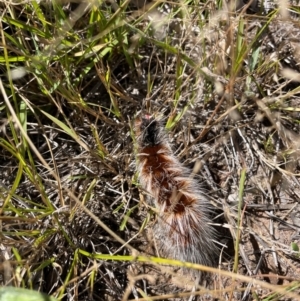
[[226, 83]]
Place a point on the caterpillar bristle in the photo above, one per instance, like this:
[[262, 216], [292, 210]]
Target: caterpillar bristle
[[183, 227]]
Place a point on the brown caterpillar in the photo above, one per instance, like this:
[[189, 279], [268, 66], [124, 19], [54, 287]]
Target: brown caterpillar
[[183, 227]]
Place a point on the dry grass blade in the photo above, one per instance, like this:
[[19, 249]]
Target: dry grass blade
[[224, 80]]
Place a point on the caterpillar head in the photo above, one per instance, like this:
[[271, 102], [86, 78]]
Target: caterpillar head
[[149, 131]]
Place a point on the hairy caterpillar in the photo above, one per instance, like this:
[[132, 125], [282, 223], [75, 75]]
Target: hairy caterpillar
[[182, 228]]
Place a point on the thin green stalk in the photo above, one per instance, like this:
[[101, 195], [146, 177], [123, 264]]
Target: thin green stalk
[[238, 231]]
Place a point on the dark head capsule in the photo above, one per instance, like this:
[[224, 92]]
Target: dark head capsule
[[150, 131]]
